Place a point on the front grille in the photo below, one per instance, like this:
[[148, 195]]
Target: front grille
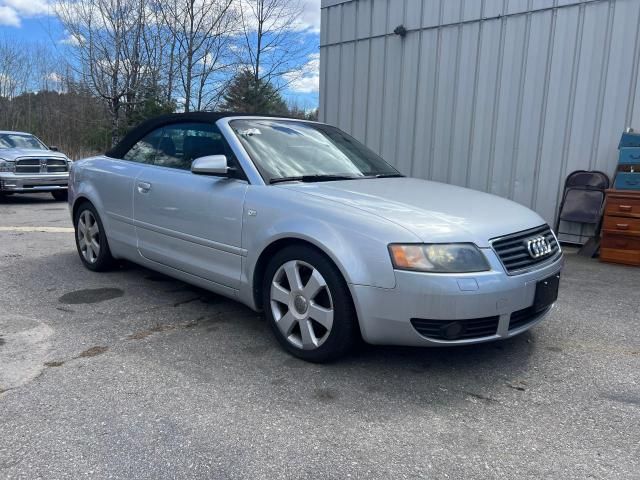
[[56, 165], [28, 165], [514, 253], [41, 165], [456, 329], [523, 317]]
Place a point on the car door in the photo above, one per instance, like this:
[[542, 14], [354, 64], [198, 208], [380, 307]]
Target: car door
[[113, 180], [190, 222]]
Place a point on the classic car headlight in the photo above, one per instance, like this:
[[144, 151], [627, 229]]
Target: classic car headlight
[[7, 166], [439, 258]]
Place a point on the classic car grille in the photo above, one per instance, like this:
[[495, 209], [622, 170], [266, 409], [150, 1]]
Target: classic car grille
[[41, 165], [523, 317], [456, 329], [513, 249]]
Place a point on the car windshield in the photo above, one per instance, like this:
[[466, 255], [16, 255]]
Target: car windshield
[[20, 140], [292, 150]]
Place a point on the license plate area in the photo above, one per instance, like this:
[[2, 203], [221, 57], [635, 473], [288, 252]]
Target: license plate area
[[546, 293]]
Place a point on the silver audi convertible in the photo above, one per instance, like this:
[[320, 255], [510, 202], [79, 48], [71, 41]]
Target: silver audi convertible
[[301, 221]]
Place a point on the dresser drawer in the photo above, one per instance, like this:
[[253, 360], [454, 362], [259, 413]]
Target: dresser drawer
[[623, 206], [626, 257], [621, 224], [620, 242], [627, 181], [629, 156], [629, 139]]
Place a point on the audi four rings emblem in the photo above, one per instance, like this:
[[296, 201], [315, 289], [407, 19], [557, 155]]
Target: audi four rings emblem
[[538, 247]]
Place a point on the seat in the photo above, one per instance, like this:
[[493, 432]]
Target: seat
[[167, 146], [195, 147], [166, 156], [582, 201]]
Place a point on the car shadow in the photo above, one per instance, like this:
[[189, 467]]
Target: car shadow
[[28, 199], [224, 333], [425, 376]]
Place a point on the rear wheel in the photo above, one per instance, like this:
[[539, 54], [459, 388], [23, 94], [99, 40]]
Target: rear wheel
[[91, 240], [308, 305], [60, 195]]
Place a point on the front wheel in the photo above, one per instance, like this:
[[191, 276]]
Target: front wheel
[[308, 305], [91, 240]]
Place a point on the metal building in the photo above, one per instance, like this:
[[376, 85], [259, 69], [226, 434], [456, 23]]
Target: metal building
[[505, 96]]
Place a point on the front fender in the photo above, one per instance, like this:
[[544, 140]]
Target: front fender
[[356, 241]]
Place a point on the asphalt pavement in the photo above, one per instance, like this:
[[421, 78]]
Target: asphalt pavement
[[132, 375]]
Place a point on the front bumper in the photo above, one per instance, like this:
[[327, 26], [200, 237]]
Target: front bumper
[[385, 314], [10, 182]]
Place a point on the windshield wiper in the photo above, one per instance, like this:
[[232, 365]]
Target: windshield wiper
[[312, 178], [387, 175]]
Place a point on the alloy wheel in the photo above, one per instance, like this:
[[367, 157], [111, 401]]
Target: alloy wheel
[[88, 236], [301, 304]]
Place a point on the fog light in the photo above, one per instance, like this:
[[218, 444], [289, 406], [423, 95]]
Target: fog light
[[453, 330]]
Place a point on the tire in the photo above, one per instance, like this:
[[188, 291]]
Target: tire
[[308, 305], [85, 222], [60, 195]]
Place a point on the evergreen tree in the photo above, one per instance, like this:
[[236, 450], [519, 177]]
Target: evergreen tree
[[152, 102], [248, 95]]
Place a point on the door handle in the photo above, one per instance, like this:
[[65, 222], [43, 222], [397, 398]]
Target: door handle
[[144, 187]]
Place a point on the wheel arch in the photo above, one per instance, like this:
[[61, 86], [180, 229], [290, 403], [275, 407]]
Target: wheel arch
[[79, 200], [279, 244]]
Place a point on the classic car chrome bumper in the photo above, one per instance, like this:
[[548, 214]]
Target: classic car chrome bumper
[[19, 183], [447, 309]]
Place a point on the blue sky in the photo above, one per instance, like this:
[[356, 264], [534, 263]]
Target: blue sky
[[34, 21]]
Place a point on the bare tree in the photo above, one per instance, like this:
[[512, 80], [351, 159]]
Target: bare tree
[[271, 46], [39, 94], [201, 31], [108, 39], [15, 68]]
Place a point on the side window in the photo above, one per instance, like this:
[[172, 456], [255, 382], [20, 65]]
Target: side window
[[181, 143], [146, 149]]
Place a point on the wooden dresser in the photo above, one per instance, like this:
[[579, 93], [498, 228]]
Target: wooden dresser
[[621, 228]]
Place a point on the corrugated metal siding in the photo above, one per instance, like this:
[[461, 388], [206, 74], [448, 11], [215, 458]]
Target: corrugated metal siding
[[505, 96]]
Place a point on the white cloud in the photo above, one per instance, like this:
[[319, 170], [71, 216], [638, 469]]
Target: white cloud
[[70, 39], [13, 11], [54, 77], [9, 17], [307, 79], [29, 8], [310, 18]]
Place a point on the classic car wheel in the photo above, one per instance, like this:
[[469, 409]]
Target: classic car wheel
[[60, 195], [308, 305], [91, 240]]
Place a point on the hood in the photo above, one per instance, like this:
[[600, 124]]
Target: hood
[[12, 154], [434, 212]]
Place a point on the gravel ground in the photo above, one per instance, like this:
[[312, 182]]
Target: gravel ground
[[130, 374]]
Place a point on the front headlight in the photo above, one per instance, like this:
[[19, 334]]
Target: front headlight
[[7, 166], [439, 258]]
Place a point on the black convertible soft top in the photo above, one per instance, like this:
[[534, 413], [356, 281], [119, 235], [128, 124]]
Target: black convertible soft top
[[148, 126]]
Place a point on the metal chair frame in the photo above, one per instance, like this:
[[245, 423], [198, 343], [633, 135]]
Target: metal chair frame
[[567, 188]]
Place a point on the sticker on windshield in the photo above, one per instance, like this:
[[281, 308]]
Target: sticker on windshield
[[249, 132]]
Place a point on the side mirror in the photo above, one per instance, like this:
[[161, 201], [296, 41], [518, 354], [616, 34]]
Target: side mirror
[[53, 149], [211, 165]]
